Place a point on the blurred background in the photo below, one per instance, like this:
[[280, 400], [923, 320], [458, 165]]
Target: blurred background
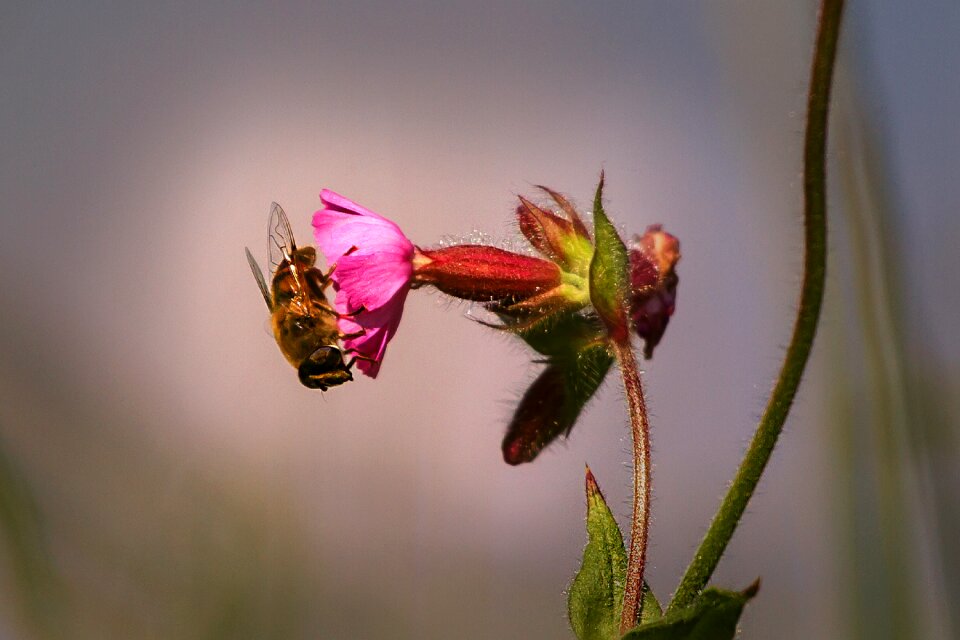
[[163, 474]]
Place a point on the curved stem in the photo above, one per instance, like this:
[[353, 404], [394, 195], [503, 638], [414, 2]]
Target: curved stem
[[640, 525], [815, 224]]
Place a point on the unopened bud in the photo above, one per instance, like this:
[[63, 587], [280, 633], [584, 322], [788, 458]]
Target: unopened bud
[[653, 284], [539, 418], [564, 241], [552, 404]]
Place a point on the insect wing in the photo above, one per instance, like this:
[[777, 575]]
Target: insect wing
[[280, 244], [258, 275]]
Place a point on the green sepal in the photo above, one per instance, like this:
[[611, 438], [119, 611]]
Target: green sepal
[[551, 405], [596, 594], [712, 616], [579, 252], [575, 343], [609, 272], [577, 359], [561, 335]]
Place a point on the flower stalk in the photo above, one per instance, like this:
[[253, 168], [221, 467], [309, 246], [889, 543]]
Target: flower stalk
[[811, 297], [640, 523]]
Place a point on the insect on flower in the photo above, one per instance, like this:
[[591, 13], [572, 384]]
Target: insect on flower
[[303, 322]]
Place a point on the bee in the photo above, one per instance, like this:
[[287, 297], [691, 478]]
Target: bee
[[303, 322]]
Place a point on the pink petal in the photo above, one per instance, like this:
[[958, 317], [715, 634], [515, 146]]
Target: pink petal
[[371, 280], [336, 233], [379, 326], [333, 200], [373, 270], [343, 224]]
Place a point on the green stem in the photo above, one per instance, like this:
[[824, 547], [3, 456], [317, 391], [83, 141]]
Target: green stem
[[28, 559], [640, 524], [815, 257]]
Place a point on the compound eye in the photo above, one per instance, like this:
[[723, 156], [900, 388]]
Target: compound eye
[[324, 368], [327, 358]]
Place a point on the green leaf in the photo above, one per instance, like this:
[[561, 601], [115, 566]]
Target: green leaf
[[650, 609], [712, 616], [596, 594], [609, 276]]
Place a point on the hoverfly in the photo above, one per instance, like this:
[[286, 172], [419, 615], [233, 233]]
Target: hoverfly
[[303, 322]]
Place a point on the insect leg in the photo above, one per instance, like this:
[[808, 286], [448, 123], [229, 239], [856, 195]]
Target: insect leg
[[357, 356], [352, 314], [349, 314], [333, 267], [326, 276]]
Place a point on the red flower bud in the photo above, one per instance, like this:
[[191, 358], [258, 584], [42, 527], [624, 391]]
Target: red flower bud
[[486, 274], [552, 404], [653, 284], [539, 419], [565, 241], [542, 228]]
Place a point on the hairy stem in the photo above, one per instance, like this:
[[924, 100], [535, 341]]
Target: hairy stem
[[640, 524], [814, 271]]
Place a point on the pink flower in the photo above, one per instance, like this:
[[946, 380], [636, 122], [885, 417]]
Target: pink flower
[[374, 266]]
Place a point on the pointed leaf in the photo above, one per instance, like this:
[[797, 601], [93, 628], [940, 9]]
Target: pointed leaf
[[609, 272], [712, 616], [596, 594]]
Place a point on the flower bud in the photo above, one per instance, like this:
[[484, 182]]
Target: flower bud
[[552, 404], [539, 418], [566, 242], [653, 284], [485, 274]]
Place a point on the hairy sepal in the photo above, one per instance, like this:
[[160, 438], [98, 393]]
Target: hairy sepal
[[609, 272]]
